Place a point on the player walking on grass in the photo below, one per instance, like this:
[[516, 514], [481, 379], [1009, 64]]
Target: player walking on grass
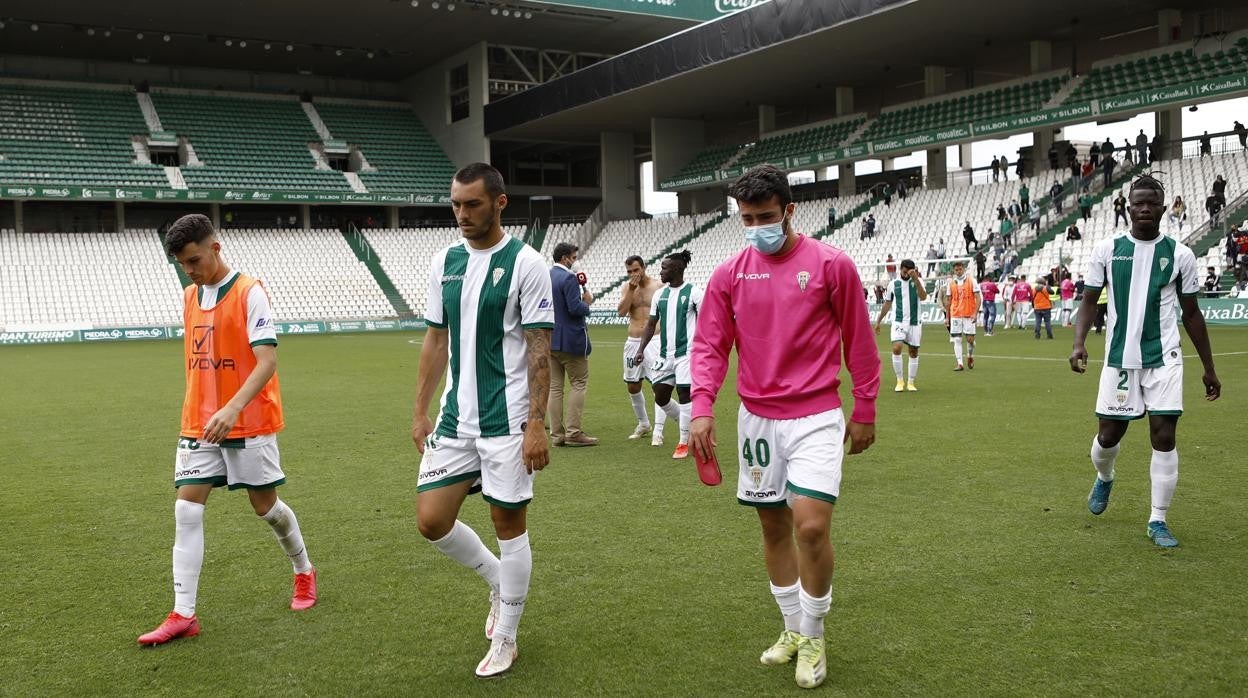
[[1146, 275], [788, 304], [490, 318], [635, 305], [230, 418], [962, 309], [676, 307], [906, 293]]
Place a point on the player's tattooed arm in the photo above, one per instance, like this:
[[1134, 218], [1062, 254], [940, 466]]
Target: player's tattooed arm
[[538, 341]]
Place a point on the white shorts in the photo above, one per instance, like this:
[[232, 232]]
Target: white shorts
[[253, 463], [645, 369], [962, 326], [910, 335], [494, 465], [1127, 393], [780, 458], [672, 371], [1068, 304], [1022, 307]]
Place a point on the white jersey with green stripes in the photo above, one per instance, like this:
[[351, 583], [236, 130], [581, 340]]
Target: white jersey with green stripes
[[676, 309], [485, 300], [904, 295], [1144, 280]]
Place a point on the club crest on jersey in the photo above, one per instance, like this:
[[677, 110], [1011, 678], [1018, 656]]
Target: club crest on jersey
[[1121, 398], [1164, 262], [803, 278], [756, 475], [498, 274]]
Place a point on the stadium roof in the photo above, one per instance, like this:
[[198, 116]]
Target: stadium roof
[[403, 39], [795, 52]]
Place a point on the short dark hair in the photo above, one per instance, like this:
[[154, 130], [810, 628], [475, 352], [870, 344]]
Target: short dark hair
[[684, 257], [564, 249], [484, 171], [194, 227], [760, 183], [1148, 181], [635, 258], [907, 264]]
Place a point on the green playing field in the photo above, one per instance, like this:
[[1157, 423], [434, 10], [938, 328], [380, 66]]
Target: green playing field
[[967, 560]]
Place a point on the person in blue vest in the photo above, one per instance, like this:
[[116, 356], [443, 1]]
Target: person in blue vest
[[569, 348]]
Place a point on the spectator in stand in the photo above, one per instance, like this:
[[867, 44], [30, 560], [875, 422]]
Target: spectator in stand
[[1086, 174], [831, 219], [890, 266], [1072, 153], [1085, 204], [1073, 234], [1107, 168], [1241, 239], [1206, 145], [988, 291], [1007, 230], [1214, 206], [1107, 148], [1016, 212], [1020, 168], [996, 169], [1042, 304], [968, 235], [1219, 189], [1242, 133], [1141, 148], [1232, 246], [1005, 167], [1035, 218], [1007, 296], [941, 253], [871, 225], [1067, 292], [1154, 149], [1024, 197], [1009, 261], [1178, 212], [1022, 302], [998, 246], [980, 262], [1211, 283], [1001, 213], [1052, 156], [1240, 290], [931, 257], [1120, 210], [1127, 153], [1094, 154], [1076, 170], [887, 191], [902, 190]]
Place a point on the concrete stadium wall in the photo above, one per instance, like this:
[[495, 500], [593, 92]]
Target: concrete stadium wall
[[463, 141]]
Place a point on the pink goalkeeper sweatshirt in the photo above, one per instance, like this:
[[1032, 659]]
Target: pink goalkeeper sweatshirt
[[788, 317]]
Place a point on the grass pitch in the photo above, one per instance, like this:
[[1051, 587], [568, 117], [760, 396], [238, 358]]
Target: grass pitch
[[967, 560]]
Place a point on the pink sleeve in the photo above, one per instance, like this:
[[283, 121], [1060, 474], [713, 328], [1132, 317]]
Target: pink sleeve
[[712, 342], [861, 355]]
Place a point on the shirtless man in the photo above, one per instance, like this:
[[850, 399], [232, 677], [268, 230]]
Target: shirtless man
[[635, 305]]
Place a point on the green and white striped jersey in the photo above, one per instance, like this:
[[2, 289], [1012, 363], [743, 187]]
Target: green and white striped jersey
[[676, 309], [904, 295], [1144, 280], [486, 299]]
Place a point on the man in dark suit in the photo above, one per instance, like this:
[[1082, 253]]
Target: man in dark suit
[[569, 349]]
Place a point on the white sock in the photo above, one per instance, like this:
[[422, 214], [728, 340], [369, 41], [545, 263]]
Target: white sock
[[914, 368], [1103, 458], [897, 365], [790, 605], [686, 416], [813, 611], [957, 349], [639, 408], [514, 571], [660, 418], [188, 554], [464, 546], [672, 409], [1164, 473], [286, 528]]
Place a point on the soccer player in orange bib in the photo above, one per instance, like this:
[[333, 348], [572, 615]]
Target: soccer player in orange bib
[[230, 418]]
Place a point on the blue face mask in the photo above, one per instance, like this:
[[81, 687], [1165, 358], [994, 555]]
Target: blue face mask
[[767, 239]]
